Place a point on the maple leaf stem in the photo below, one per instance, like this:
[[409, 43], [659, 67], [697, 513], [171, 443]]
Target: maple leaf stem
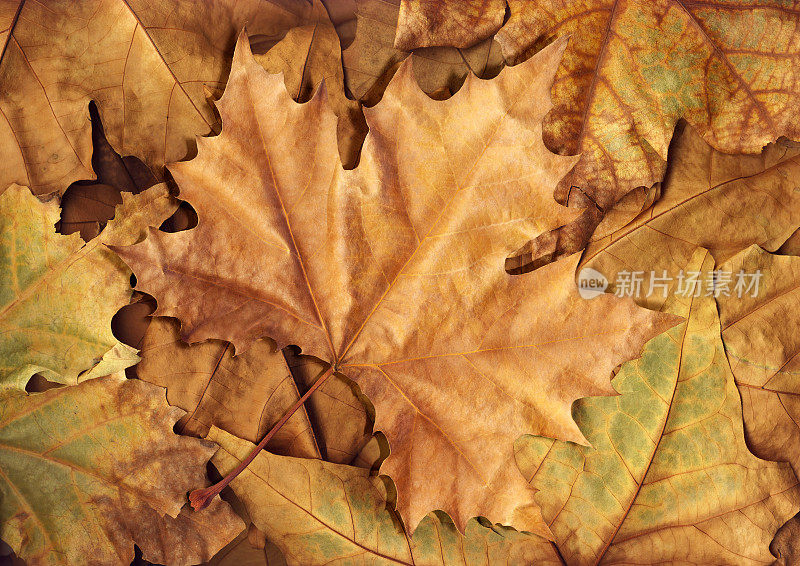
[[200, 498]]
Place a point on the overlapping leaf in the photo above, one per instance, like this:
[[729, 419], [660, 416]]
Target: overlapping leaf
[[759, 329], [308, 55], [322, 513], [633, 68], [86, 206], [247, 394], [147, 64], [59, 295], [371, 59], [87, 471], [241, 552], [394, 271], [430, 23], [792, 245], [723, 203], [668, 476]]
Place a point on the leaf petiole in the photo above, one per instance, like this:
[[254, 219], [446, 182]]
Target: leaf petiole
[[200, 498]]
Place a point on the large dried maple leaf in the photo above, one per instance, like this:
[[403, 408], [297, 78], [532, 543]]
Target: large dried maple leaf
[[58, 294], [668, 477], [393, 271], [321, 513], [90, 470], [148, 65]]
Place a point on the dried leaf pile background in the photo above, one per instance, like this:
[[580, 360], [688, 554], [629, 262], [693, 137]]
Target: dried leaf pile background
[[207, 205]]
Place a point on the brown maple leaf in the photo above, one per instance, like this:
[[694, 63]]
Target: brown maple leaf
[[394, 271]]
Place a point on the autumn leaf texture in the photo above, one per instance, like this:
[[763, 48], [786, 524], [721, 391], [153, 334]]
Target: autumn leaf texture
[[349, 519], [382, 282], [427, 245], [89, 470], [633, 69], [659, 450], [48, 276]]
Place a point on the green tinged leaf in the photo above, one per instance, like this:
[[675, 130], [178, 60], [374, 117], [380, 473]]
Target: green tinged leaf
[[57, 294], [668, 477], [89, 470], [319, 513]]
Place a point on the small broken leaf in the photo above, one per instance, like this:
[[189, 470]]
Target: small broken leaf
[[371, 59], [244, 394], [440, 71]]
